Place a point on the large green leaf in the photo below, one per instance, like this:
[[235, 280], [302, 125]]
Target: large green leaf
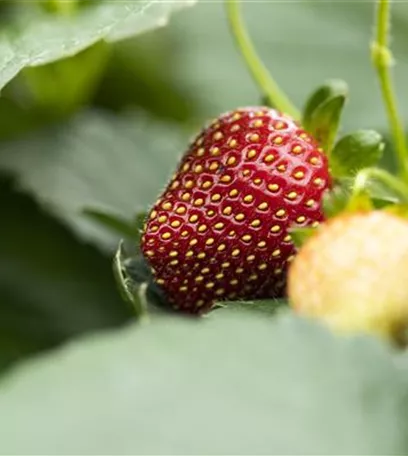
[[303, 43], [52, 287], [98, 161], [231, 385], [35, 37]]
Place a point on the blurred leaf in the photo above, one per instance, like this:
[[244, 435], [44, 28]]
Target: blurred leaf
[[63, 86], [233, 385], [16, 119], [135, 77], [99, 161], [379, 191], [130, 230], [35, 37], [51, 286], [355, 151], [117, 224]]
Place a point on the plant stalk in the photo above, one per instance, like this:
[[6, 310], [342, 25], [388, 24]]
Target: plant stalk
[[275, 96], [382, 60]]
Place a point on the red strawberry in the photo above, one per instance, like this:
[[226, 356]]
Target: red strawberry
[[219, 230], [353, 274]]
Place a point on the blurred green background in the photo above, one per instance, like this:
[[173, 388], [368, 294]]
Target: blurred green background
[[102, 125]]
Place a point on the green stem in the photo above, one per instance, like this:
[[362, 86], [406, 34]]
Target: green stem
[[62, 7], [260, 74], [382, 61], [393, 183]]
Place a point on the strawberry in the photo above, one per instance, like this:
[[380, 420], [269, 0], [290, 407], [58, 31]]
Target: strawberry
[[219, 230], [353, 274]]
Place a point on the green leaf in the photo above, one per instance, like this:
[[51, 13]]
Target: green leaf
[[238, 384], [35, 37], [355, 151], [63, 86], [331, 89], [100, 161], [301, 235], [52, 287], [377, 190], [135, 77], [135, 295]]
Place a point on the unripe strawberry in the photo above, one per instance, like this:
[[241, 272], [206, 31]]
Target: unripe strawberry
[[220, 228], [353, 274]]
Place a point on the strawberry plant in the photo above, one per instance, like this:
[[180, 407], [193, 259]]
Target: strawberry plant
[[197, 257]]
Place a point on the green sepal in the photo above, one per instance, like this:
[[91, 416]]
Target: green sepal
[[301, 235], [139, 222], [266, 101], [133, 293], [342, 197], [356, 151], [360, 202], [323, 111], [335, 201], [380, 193], [136, 282]]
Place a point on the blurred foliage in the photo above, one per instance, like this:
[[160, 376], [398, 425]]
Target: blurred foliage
[[95, 160], [52, 287], [146, 391]]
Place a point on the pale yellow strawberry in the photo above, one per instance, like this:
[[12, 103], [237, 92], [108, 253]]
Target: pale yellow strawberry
[[353, 274]]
